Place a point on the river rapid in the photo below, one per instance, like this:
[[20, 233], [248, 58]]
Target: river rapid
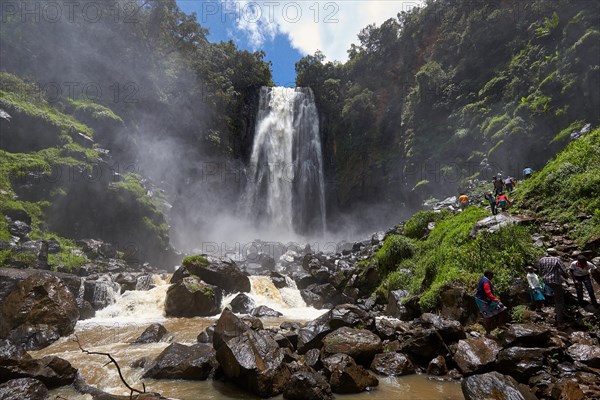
[[116, 326]]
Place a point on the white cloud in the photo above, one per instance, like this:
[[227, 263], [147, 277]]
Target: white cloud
[[329, 26]]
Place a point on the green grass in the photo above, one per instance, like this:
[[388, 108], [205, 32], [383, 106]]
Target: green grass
[[569, 186], [195, 261], [95, 110], [395, 249]]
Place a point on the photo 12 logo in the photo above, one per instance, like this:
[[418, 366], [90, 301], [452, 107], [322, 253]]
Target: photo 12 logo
[[270, 12], [69, 11]]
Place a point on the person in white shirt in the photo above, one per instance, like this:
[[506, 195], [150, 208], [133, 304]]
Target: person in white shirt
[[580, 272], [536, 290]]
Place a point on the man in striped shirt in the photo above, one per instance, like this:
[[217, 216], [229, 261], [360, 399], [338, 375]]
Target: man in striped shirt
[[554, 273]]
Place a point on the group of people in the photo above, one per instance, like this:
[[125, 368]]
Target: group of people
[[498, 199], [553, 274]]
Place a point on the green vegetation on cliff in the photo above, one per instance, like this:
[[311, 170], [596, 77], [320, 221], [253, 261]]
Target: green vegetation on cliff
[[455, 90]]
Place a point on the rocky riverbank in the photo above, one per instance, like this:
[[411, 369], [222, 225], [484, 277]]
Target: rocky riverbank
[[343, 351]]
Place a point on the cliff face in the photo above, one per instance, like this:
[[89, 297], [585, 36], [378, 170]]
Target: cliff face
[[455, 91]]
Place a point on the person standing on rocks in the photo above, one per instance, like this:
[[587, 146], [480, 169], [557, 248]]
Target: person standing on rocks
[[487, 302], [463, 201], [498, 185], [492, 200], [536, 290], [503, 202], [580, 272], [553, 274]]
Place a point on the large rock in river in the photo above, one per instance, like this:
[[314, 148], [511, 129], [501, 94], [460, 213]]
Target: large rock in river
[[38, 311], [361, 344], [311, 335], [51, 371], [392, 364], [183, 362], [305, 385], [494, 386], [23, 389], [223, 273], [255, 362], [475, 355], [192, 298]]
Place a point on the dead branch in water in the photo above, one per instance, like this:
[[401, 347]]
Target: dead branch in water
[[132, 390]]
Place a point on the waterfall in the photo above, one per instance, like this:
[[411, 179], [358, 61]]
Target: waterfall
[[285, 189]]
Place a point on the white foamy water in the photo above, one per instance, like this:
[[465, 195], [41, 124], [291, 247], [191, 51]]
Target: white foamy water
[[133, 306]]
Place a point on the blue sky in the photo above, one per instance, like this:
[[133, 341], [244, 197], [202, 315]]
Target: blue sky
[[288, 30]]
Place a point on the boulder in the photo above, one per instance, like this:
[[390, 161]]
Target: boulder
[[423, 345], [458, 304], [51, 371], [395, 307], [126, 281], [222, 273], [30, 254], [311, 335], [525, 335], [265, 312], [178, 361], [392, 364], [255, 362], [94, 249], [303, 279], [38, 312], [100, 292], [312, 358], [8, 350], [228, 327], [495, 222], [153, 334], [192, 298], [19, 229], [23, 389], [242, 304], [450, 330], [360, 344], [586, 354], [519, 362], [278, 280], [345, 376], [318, 296], [437, 367], [475, 355], [305, 385], [566, 389], [494, 386]]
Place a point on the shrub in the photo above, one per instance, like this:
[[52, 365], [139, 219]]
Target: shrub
[[416, 226], [395, 249], [198, 261]]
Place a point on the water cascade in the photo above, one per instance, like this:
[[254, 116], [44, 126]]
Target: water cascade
[[285, 190]]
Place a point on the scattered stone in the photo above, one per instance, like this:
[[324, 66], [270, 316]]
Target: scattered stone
[[305, 385], [360, 344], [586, 354], [437, 367], [496, 386], [265, 312]]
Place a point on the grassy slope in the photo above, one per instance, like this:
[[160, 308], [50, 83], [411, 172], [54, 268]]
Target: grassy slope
[[567, 188]]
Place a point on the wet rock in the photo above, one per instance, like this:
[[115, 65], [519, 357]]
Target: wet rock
[[222, 273], [351, 379], [423, 345], [54, 246], [51, 371], [228, 327], [305, 385], [8, 350], [254, 361], [126, 281], [144, 282], [183, 362], [278, 280], [191, 298], [19, 229], [265, 312], [100, 292], [94, 249], [495, 222], [392, 364], [437, 367], [153, 334], [242, 304], [542, 384], [320, 295], [566, 389], [311, 335], [377, 237], [17, 215], [494, 385], [519, 362], [360, 344], [252, 322], [312, 358], [458, 305], [475, 355], [30, 254], [525, 335], [385, 329], [303, 280], [396, 309], [23, 389], [450, 330], [38, 311], [586, 354]]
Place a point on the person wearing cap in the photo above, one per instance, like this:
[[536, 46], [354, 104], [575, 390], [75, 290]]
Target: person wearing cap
[[553, 274], [463, 201], [580, 272], [487, 302], [536, 290]]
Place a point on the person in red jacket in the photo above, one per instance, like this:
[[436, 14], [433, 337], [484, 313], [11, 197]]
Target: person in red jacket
[[489, 305], [503, 202]]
